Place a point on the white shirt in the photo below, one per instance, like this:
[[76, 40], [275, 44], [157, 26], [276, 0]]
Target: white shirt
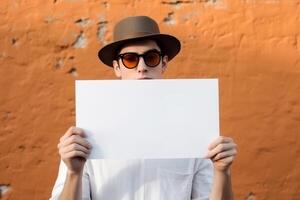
[[149, 179]]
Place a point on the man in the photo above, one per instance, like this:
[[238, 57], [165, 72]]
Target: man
[[140, 51]]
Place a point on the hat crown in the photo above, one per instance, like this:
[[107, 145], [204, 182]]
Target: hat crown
[[133, 27], [138, 28]]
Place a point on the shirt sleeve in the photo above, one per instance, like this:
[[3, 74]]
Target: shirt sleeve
[[202, 181], [60, 181]]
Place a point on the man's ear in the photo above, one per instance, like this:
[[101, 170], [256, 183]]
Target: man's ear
[[117, 68], [164, 63]]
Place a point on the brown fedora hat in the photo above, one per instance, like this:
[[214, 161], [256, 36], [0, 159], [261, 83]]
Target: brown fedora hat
[[138, 28]]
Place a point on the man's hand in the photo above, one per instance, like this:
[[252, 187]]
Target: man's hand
[[74, 149], [222, 152]]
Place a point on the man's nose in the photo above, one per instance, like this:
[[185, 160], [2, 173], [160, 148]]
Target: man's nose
[[142, 67]]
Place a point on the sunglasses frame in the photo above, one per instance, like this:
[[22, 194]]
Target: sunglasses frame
[[121, 56]]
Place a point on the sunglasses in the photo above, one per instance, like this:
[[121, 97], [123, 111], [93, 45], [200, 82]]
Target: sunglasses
[[151, 58]]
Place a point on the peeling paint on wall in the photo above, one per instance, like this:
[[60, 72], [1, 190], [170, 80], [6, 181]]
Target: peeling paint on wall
[[4, 188], [250, 196], [73, 72], [81, 41], [169, 20], [82, 22], [101, 31]]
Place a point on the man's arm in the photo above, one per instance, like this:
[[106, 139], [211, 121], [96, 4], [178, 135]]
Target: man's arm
[[221, 188], [72, 188], [74, 150], [222, 152]]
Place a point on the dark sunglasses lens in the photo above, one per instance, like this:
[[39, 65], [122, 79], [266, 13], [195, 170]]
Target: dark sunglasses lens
[[130, 60], [152, 58]]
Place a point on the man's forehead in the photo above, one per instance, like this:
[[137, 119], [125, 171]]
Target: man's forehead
[[139, 46]]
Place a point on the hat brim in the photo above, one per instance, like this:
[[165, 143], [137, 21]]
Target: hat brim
[[169, 45]]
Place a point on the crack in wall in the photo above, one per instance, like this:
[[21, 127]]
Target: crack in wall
[[176, 2], [179, 2]]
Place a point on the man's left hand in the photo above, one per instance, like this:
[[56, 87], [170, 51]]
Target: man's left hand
[[222, 152]]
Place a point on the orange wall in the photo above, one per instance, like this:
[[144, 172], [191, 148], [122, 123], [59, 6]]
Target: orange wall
[[252, 46]]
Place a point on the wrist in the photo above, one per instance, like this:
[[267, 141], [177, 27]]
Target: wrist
[[224, 172], [71, 173]]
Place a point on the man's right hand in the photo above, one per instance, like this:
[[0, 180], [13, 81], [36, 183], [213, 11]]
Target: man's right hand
[[74, 149]]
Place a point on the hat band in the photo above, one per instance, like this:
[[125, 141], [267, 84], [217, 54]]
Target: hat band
[[134, 35]]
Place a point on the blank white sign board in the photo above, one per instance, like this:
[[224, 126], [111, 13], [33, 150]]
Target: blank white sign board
[[129, 119]]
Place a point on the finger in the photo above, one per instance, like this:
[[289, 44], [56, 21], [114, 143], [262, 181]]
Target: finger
[[218, 141], [74, 147], [221, 148], [227, 160], [73, 154], [76, 139], [72, 131], [225, 154]]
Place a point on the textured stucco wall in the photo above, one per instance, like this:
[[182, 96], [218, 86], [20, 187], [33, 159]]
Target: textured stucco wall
[[252, 46]]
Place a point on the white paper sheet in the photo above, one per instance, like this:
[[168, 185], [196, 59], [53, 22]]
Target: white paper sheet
[[127, 119]]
